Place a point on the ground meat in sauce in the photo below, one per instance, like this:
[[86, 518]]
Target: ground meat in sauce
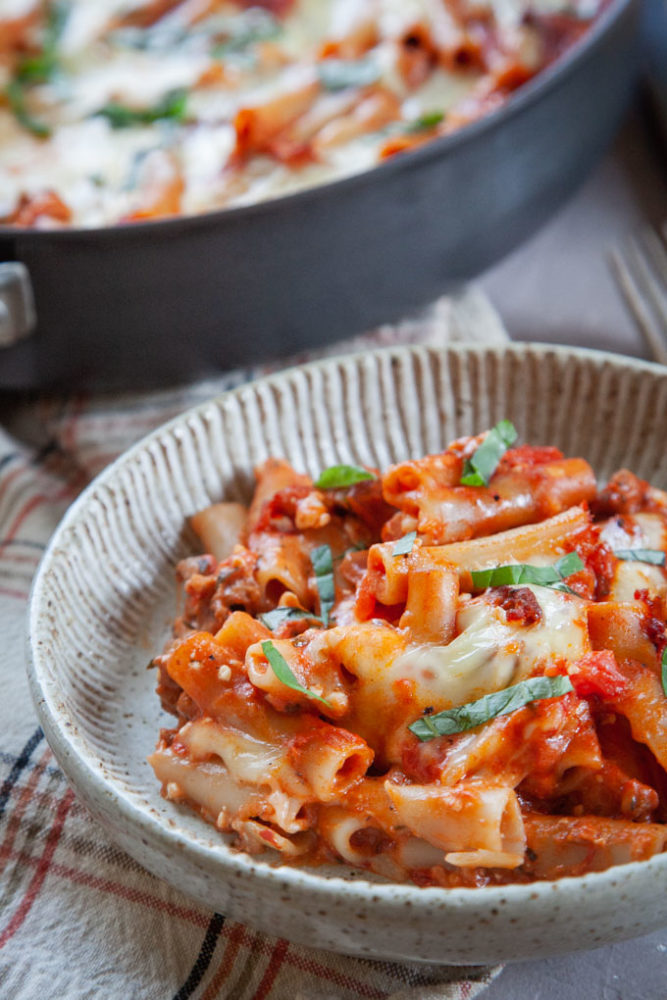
[[212, 596], [652, 624], [625, 493]]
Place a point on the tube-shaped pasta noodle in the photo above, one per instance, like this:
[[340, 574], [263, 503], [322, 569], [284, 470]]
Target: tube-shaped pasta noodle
[[433, 589], [272, 476], [221, 798], [203, 664], [339, 827], [330, 760], [206, 784], [546, 539], [424, 580], [463, 818], [619, 627], [644, 705], [258, 125], [294, 140], [220, 527], [573, 845], [523, 490], [300, 756], [283, 564], [249, 761], [513, 748], [312, 666], [386, 574], [375, 110]]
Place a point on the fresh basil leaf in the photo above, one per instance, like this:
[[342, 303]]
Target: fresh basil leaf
[[283, 672], [475, 713], [568, 565], [339, 74], [656, 557], [337, 477], [322, 561], [479, 468], [425, 122], [505, 576], [404, 545], [16, 98], [522, 573], [41, 67], [278, 616], [663, 664], [36, 69], [171, 107]]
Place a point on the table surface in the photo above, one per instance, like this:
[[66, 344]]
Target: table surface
[[559, 288]]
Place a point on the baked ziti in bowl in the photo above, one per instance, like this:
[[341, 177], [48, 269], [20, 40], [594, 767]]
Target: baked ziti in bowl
[[405, 615]]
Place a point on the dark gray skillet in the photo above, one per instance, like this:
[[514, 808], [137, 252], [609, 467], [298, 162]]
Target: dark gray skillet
[[160, 302]]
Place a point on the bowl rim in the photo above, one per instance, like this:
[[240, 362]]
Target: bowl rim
[[87, 774], [528, 94]]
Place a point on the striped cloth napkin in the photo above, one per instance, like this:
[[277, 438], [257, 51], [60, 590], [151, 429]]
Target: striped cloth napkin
[[78, 917]]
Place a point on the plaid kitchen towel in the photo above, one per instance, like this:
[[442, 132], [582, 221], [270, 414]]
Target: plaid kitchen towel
[[79, 918]]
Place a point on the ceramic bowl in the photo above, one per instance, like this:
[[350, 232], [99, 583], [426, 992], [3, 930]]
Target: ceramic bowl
[[105, 594]]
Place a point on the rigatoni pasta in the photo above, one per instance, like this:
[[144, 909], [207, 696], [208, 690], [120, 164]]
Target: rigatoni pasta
[[452, 673]]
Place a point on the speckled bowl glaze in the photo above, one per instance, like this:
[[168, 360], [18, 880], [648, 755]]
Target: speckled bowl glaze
[[104, 596]]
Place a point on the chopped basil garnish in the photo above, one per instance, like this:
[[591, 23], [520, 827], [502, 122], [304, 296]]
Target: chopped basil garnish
[[475, 713], [425, 122], [522, 573], [663, 664], [35, 69], [274, 619], [656, 557], [171, 107], [283, 672], [322, 561], [337, 477], [404, 545], [16, 97], [339, 74], [479, 468], [40, 68]]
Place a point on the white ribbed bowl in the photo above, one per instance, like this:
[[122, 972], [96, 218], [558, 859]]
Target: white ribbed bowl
[[104, 596]]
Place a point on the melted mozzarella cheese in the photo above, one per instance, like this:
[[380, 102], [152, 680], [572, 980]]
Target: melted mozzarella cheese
[[93, 167], [491, 653]]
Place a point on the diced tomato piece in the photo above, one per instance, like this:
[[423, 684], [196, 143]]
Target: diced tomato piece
[[597, 673]]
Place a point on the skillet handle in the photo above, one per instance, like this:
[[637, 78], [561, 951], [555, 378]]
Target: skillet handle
[[18, 317]]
